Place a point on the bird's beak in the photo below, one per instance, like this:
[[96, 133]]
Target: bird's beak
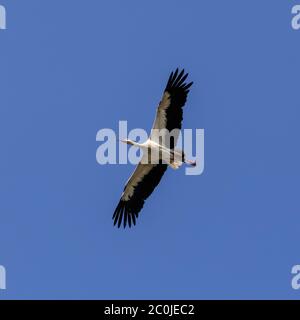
[[124, 141]]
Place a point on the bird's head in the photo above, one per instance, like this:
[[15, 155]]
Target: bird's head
[[130, 142]]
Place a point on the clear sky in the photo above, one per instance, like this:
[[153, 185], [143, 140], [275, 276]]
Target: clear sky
[[69, 68]]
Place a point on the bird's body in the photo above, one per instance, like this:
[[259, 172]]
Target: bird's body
[[154, 153], [159, 151]]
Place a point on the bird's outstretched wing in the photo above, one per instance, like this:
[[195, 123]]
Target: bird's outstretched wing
[[169, 111], [138, 188]]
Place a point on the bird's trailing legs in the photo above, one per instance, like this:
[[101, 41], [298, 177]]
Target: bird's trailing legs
[[176, 164], [178, 158], [191, 163]]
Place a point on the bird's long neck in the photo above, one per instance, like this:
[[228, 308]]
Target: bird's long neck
[[134, 143]]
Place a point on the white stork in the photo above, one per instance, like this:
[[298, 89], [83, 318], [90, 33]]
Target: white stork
[[147, 175]]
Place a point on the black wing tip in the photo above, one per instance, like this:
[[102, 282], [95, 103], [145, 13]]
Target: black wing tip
[[124, 214], [187, 86], [177, 80]]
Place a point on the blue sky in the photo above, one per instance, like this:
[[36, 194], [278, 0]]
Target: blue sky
[[69, 68]]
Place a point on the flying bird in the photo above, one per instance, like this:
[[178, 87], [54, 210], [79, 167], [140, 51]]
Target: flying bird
[[159, 148]]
